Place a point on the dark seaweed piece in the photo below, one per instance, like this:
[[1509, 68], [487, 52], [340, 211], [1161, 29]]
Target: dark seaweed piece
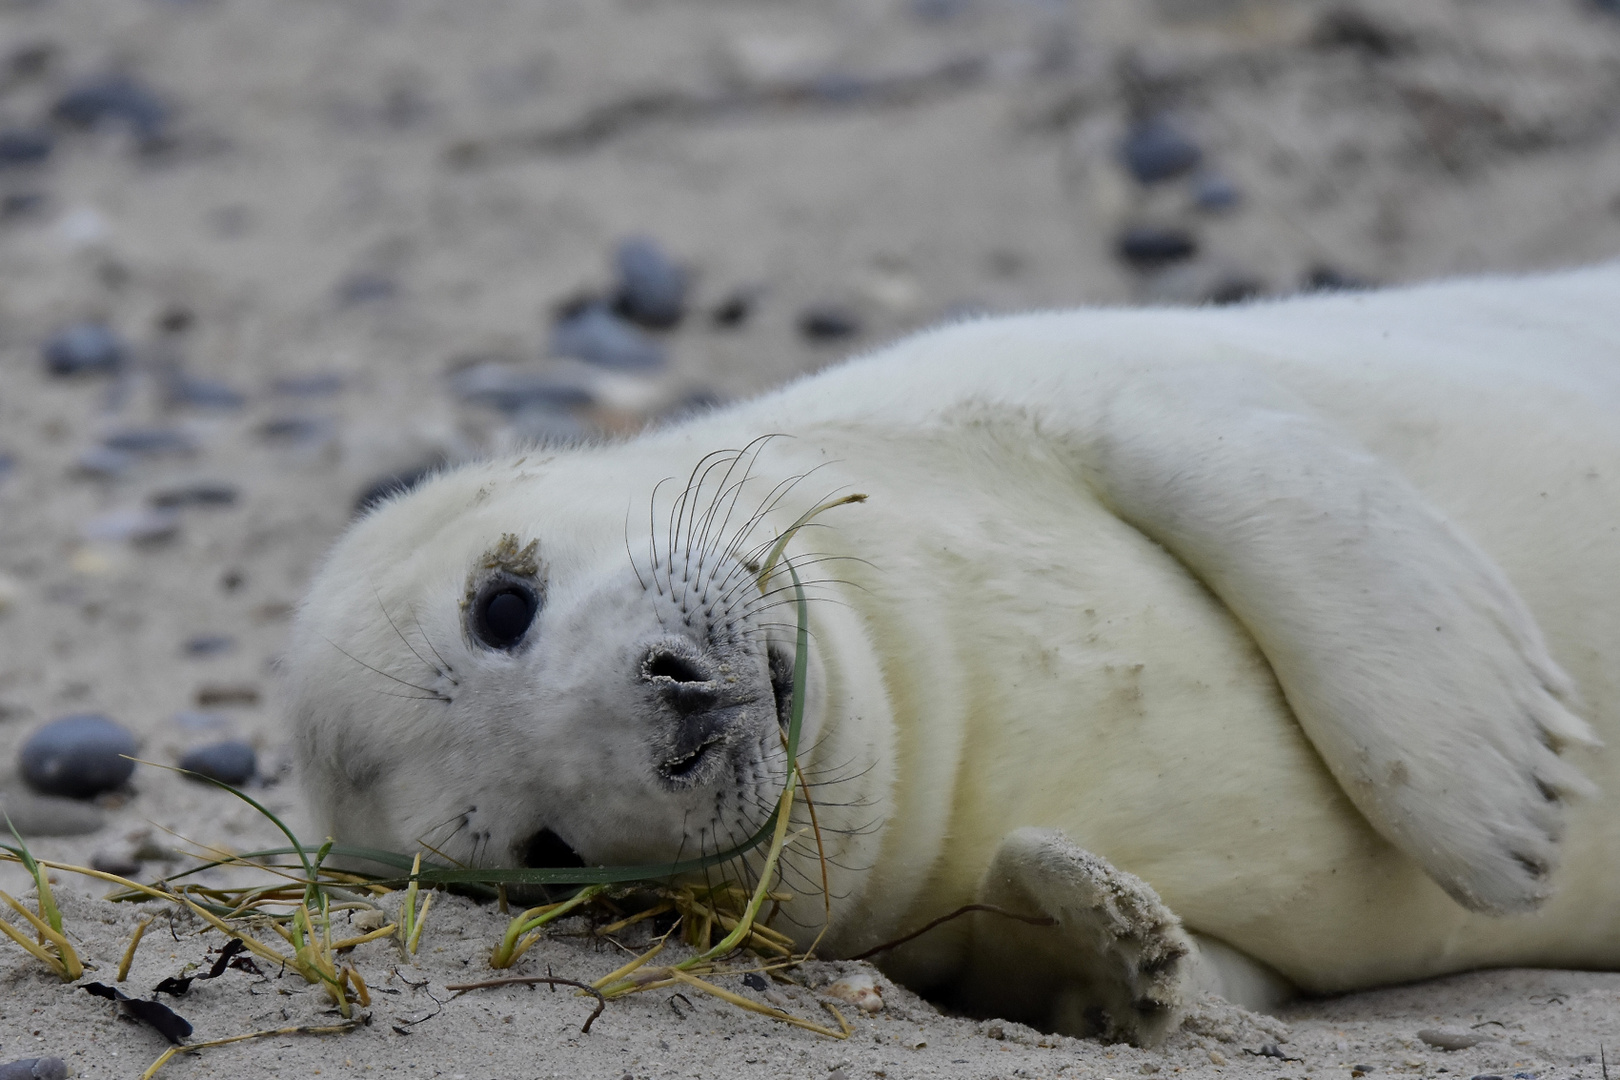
[[160, 1018]]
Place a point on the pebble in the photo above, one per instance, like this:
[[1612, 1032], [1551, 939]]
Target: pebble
[[114, 100], [1451, 1038], [755, 981], [16, 204], [139, 526], [498, 386], [1148, 247], [209, 645], [7, 463], [860, 990], [828, 322], [297, 429], [734, 308], [385, 487], [203, 393], [1155, 150], [597, 336], [48, 815], [230, 762], [364, 287], [121, 863], [1325, 278], [24, 146], [1215, 192], [651, 289], [151, 442], [40, 1068], [104, 464], [86, 348], [204, 493], [78, 757]]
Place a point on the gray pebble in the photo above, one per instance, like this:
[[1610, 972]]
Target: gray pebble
[[651, 289], [203, 493], [24, 146], [1155, 150], [828, 322], [86, 348], [363, 288], [1214, 192], [1325, 278], [597, 336], [231, 762], [121, 863], [386, 487], [497, 386], [1451, 1038], [42, 1068], [140, 526], [209, 645], [17, 204], [114, 100], [1148, 247], [203, 393], [297, 429], [78, 757], [734, 308], [7, 463], [151, 442], [48, 815], [104, 464]]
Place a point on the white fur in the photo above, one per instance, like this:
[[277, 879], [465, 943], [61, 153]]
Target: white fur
[[1288, 610]]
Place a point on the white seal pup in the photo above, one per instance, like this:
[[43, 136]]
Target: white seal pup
[[1259, 648]]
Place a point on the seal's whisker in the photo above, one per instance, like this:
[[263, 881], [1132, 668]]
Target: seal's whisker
[[753, 450], [428, 690], [449, 671], [394, 626]]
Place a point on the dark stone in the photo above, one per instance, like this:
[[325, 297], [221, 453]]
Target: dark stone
[[316, 385], [296, 429], [205, 493], [114, 100], [1155, 150], [78, 757], [386, 487], [7, 463], [210, 645], [1149, 247], [1214, 192], [15, 204], [497, 386], [25, 146], [1234, 289], [175, 320], [734, 309], [1353, 30], [1324, 278], [86, 348], [136, 526], [936, 11], [597, 336], [41, 1068], [754, 981], [150, 442], [115, 862], [105, 464], [828, 322], [364, 287], [204, 393], [651, 289], [230, 762]]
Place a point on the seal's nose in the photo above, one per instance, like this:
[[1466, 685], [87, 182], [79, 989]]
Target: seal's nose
[[680, 677]]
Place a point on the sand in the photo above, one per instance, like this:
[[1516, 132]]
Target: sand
[[385, 191]]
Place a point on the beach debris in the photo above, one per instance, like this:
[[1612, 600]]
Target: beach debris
[[828, 322], [35, 1068], [1452, 1038], [84, 348], [160, 1018], [1271, 1050], [1149, 247], [1155, 150], [860, 990], [651, 289], [230, 956], [230, 761], [594, 334], [78, 756]]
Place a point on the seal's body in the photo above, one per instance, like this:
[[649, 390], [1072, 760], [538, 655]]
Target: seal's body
[[1288, 611]]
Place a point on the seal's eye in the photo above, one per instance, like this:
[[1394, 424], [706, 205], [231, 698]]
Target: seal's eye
[[503, 613]]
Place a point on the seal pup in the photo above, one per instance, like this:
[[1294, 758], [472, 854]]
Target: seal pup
[[1260, 648]]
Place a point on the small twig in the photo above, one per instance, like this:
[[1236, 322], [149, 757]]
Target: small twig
[[305, 1029], [1033, 920], [548, 980]]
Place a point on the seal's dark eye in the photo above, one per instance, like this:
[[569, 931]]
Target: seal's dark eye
[[502, 614]]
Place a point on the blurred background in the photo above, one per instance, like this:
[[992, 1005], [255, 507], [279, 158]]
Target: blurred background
[[263, 259]]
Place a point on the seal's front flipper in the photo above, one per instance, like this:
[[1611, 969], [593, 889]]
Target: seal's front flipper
[[1115, 962], [1404, 652]]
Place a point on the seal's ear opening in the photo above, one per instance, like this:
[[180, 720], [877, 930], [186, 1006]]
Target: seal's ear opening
[[545, 850]]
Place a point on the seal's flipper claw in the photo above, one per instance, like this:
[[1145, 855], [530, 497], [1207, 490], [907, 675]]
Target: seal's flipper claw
[[1417, 672], [1115, 963]]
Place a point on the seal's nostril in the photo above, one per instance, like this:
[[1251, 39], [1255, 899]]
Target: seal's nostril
[[662, 664], [548, 851]]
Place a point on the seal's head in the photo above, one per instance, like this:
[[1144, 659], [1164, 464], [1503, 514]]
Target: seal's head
[[500, 670]]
